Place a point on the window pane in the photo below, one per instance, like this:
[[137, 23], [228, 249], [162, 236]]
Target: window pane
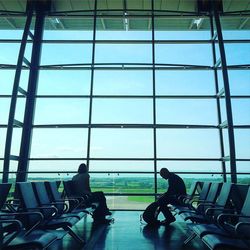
[[192, 166], [239, 82], [61, 111], [6, 80], [236, 34], [13, 167], [20, 109], [2, 141], [13, 34], [200, 54], [122, 35], [123, 82], [133, 166], [243, 166], [10, 54], [59, 142], [181, 111], [123, 53], [16, 141], [238, 53], [116, 143], [162, 34], [72, 53], [242, 143], [122, 111], [52, 23], [241, 111], [187, 143], [185, 83], [129, 202], [56, 165], [225, 141], [4, 110], [223, 110], [64, 82]]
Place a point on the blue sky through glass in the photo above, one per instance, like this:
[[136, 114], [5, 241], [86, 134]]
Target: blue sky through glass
[[122, 142]]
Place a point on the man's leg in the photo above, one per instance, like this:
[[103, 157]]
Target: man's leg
[[163, 201]]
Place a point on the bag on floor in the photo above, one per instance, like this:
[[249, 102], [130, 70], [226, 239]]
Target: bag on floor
[[150, 215]]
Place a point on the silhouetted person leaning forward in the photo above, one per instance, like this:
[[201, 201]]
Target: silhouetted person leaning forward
[[82, 187], [176, 187]]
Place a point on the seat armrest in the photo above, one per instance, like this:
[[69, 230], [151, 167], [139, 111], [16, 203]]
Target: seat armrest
[[242, 229], [65, 206], [18, 224], [55, 213], [4, 215], [222, 217], [212, 209]]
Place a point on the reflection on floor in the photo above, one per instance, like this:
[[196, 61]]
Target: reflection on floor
[[128, 233]]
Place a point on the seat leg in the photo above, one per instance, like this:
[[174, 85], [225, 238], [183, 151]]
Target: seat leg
[[74, 235], [190, 237]]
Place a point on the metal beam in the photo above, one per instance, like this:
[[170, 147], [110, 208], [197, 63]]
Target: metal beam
[[218, 94], [243, 23], [14, 96], [31, 93], [227, 96], [91, 84]]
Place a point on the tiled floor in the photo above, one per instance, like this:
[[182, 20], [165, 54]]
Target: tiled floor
[[127, 233]]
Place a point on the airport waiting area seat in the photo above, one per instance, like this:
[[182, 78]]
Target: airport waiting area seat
[[233, 230], [191, 203], [44, 217], [83, 202], [226, 223], [184, 200], [41, 218], [13, 234]]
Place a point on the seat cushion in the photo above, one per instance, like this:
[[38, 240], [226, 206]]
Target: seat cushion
[[214, 241], [38, 239], [203, 229]]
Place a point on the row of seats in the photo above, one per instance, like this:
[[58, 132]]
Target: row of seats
[[219, 214], [32, 219]]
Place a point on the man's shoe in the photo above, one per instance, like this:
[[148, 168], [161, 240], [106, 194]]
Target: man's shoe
[[108, 212], [104, 221], [167, 221]]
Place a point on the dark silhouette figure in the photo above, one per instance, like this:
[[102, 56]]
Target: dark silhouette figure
[[176, 187], [82, 188]]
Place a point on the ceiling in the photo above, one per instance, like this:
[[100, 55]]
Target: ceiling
[[119, 21]]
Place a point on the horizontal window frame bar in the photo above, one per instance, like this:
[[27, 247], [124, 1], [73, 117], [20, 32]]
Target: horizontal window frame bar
[[120, 172], [132, 96], [129, 126], [130, 41], [134, 68], [123, 126], [155, 13], [130, 159]]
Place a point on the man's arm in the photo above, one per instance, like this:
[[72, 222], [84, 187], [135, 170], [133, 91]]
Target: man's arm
[[88, 184]]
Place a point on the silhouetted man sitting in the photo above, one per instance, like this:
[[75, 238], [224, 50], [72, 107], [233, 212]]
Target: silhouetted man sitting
[[176, 187], [82, 187]]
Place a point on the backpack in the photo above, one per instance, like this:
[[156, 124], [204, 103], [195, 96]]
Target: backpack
[[151, 213]]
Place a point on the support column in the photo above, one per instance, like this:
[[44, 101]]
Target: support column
[[233, 169], [20, 59], [41, 8]]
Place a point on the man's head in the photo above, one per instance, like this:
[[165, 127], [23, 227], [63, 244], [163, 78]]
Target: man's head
[[164, 173], [82, 168]]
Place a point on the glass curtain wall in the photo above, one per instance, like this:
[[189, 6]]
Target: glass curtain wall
[[127, 92]]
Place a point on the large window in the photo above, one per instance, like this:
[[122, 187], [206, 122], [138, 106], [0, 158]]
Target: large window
[[129, 92]]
